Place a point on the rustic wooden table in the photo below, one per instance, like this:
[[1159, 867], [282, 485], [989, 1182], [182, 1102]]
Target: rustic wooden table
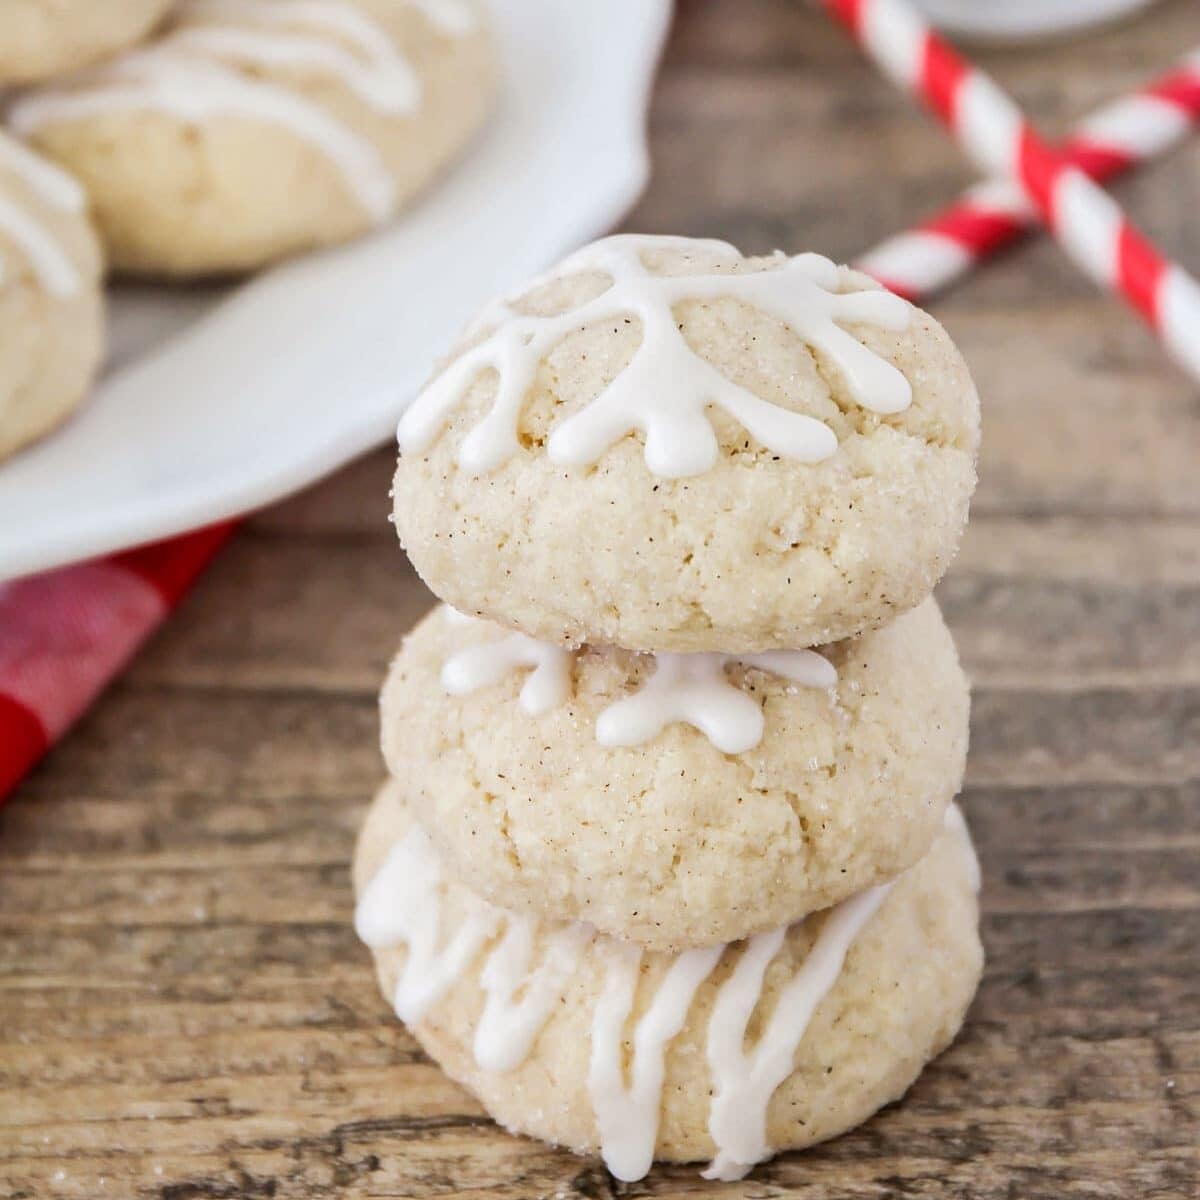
[[184, 1010]]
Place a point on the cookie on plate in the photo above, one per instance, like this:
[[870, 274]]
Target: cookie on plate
[[51, 303], [681, 800], [42, 38], [249, 130], [730, 1054], [666, 446]]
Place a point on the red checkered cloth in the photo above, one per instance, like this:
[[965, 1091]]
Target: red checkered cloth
[[65, 634]]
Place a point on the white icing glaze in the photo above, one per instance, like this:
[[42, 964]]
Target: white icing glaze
[[187, 73], [374, 70], [509, 1026], [50, 182], [745, 1080], [956, 823], [402, 905], [166, 79], [50, 263], [666, 389], [627, 1115], [694, 688], [453, 17], [548, 685]]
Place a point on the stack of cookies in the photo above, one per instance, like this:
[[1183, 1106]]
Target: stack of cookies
[[668, 864]]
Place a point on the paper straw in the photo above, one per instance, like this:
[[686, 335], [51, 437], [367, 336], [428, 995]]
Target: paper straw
[[989, 216], [1087, 222]]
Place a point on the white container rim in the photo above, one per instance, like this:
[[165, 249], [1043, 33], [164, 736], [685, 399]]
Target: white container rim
[[1011, 19]]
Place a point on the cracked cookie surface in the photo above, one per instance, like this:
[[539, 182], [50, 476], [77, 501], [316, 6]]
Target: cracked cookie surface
[[671, 842], [758, 551], [568, 1038]]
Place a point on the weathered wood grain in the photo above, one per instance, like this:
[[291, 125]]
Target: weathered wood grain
[[184, 1011], [1075, 607]]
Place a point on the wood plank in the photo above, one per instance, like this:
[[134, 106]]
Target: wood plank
[[1039, 605], [185, 1013], [230, 741]]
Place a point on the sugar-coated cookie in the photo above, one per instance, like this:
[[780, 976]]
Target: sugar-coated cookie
[[249, 130], [730, 1054], [41, 38], [51, 304], [676, 800], [666, 446]]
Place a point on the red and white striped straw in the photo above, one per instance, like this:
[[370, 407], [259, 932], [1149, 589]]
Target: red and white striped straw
[[1087, 222], [1117, 137]]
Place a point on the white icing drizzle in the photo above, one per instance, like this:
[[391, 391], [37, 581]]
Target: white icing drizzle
[[666, 389], [509, 1026], [453, 17], [348, 21], [744, 1081], [954, 822], [50, 182], [627, 1115], [187, 73], [375, 70], [694, 688], [402, 905], [548, 685], [166, 79], [50, 263]]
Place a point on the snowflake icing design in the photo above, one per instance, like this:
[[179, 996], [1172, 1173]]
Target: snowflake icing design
[[549, 682], [665, 390], [691, 689]]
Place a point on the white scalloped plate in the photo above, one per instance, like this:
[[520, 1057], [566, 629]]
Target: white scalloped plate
[[217, 402]]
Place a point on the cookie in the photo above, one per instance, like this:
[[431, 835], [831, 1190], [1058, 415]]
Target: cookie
[[51, 304], [666, 446], [42, 38], [254, 129], [676, 800], [729, 1054]]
